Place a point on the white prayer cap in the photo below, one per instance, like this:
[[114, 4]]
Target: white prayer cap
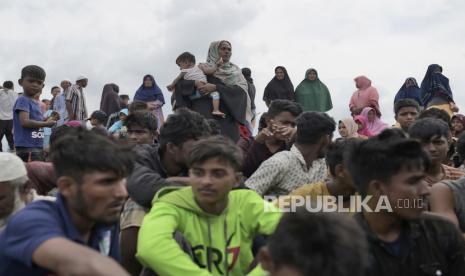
[[81, 78], [12, 167]]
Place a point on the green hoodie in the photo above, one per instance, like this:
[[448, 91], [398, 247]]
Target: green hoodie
[[211, 237]]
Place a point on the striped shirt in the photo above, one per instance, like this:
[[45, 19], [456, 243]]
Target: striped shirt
[[78, 102], [449, 173]]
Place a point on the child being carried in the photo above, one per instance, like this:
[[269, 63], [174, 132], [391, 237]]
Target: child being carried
[[191, 71]]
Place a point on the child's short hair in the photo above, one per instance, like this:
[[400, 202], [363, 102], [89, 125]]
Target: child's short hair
[[124, 97], [33, 71], [51, 89], [8, 84], [405, 103], [144, 119], [185, 57], [216, 147], [137, 106], [73, 155], [336, 247]]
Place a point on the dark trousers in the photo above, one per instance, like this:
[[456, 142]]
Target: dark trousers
[[30, 154], [6, 129]]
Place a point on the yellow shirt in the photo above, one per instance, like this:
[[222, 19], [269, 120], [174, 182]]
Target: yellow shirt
[[311, 191]]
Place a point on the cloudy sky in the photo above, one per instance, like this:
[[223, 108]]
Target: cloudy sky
[[120, 41]]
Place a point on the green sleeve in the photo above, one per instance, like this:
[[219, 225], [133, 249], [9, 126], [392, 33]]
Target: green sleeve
[[265, 215], [156, 247]]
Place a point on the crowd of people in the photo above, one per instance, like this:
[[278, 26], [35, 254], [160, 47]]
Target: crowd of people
[[196, 193]]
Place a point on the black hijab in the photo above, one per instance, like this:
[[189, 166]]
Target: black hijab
[[435, 82], [279, 89], [110, 100]]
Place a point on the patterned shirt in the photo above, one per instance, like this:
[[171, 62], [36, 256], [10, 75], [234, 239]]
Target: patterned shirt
[[449, 173], [284, 172], [78, 102]]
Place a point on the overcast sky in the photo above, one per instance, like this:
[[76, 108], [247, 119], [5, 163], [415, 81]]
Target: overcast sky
[[121, 41]]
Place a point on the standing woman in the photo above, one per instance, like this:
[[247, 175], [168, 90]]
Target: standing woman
[[229, 82], [150, 93], [313, 94], [365, 96], [436, 92], [409, 90], [280, 87], [110, 103]]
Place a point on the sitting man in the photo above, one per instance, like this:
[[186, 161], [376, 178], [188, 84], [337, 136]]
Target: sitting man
[[13, 179], [336, 247], [78, 233], [288, 170], [402, 240], [157, 166], [219, 223]]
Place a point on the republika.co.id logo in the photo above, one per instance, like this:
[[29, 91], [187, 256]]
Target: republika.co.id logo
[[331, 204]]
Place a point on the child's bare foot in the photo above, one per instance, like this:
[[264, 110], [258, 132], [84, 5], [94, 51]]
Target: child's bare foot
[[218, 113]]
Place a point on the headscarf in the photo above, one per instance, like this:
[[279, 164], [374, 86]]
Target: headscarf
[[229, 73], [109, 102], [351, 127], [365, 92], [279, 89], [364, 131], [435, 82], [149, 94], [411, 92], [313, 95], [247, 74], [375, 127], [462, 119]]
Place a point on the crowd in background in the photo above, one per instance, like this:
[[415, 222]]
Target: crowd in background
[[196, 193]]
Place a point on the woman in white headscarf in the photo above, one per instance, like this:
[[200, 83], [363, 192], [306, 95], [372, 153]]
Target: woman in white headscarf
[[230, 84]]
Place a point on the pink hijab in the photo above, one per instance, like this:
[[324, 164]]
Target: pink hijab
[[365, 96], [375, 127], [364, 131]]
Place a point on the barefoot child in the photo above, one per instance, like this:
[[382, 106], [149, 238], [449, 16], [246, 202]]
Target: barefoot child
[[190, 71]]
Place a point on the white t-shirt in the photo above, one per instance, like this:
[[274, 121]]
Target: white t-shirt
[[194, 73], [7, 101]]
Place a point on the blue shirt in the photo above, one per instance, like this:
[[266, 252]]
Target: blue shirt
[[27, 137], [39, 222], [59, 105]]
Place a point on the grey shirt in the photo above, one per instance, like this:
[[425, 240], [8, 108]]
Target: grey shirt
[[458, 190], [7, 101]]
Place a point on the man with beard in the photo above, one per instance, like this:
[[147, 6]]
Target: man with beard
[[77, 234], [288, 170]]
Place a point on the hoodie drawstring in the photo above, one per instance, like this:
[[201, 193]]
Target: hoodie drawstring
[[225, 226], [209, 245]]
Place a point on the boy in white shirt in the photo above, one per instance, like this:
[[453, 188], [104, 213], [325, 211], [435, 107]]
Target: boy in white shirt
[[191, 71]]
